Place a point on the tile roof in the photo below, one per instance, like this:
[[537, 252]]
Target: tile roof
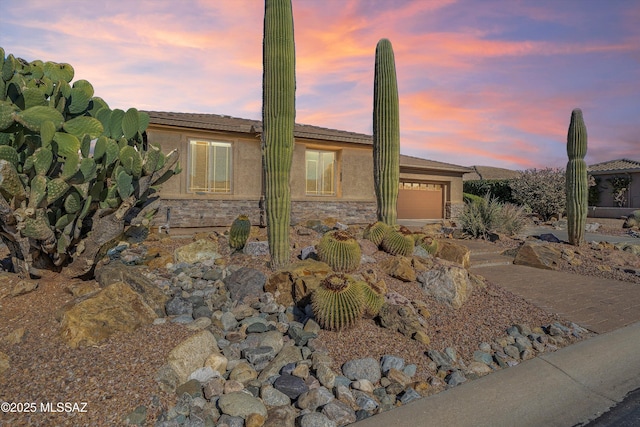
[[234, 124], [489, 172], [416, 162], [620, 165]]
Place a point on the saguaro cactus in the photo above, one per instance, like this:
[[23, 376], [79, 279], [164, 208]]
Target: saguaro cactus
[[278, 116], [577, 189], [386, 133]]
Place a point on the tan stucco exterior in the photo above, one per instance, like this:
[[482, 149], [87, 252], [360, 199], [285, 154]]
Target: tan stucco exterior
[[354, 199]]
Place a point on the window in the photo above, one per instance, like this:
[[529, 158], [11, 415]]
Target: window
[[209, 167], [321, 173]]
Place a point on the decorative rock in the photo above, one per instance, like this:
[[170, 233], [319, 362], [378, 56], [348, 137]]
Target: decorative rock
[[454, 252], [115, 308], [272, 397], [281, 416], [254, 420], [538, 255], [367, 368], [387, 362], [191, 387], [400, 268], [245, 283], [366, 403], [339, 413], [24, 287], [290, 385], [315, 398], [455, 378], [229, 421], [441, 359], [399, 318], [512, 351], [198, 251], [214, 387], [363, 385], [410, 395], [259, 356], [137, 417], [14, 337], [549, 237], [479, 368], [241, 404], [191, 353], [447, 283], [481, 356], [316, 419], [243, 373], [287, 355], [256, 249], [308, 252], [399, 377], [301, 371], [232, 386], [326, 376], [202, 375], [177, 306]]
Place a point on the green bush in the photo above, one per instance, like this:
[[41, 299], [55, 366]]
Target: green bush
[[488, 215], [498, 188], [542, 190]]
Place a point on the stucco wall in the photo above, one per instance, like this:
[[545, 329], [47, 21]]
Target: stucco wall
[[606, 191]]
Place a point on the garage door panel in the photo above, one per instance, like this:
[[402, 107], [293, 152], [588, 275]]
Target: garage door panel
[[420, 201]]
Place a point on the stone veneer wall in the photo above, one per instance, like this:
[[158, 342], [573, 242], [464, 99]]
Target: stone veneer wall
[[186, 213], [453, 210]]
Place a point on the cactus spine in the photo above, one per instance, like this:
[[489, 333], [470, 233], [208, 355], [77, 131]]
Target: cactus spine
[[338, 302], [340, 250], [278, 116], [386, 133], [576, 178]]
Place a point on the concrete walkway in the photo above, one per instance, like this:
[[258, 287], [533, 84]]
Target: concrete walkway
[[565, 388]]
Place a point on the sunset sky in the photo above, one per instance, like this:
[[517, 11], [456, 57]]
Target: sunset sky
[[481, 82]]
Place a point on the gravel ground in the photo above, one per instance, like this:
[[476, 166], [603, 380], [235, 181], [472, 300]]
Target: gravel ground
[[118, 375]]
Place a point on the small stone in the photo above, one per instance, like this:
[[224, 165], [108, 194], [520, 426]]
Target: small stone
[[316, 419], [281, 416], [178, 306], [217, 362], [259, 356], [512, 351], [398, 376], [339, 413], [326, 376], [214, 387], [272, 397], [199, 324], [315, 398], [136, 417], [363, 385], [409, 396], [14, 337], [478, 368], [191, 387], [410, 370], [229, 421], [366, 403], [421, 336], [203, 375], [24, 287], [241, 404], [290, 385], [301, 371], [232, 386], [481, 356], [455, 378], [367, 368], [243, 372], [387, 362], [255, 420], [344, 395]]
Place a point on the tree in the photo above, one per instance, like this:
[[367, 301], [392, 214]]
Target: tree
[[73, 172], [542, 190]]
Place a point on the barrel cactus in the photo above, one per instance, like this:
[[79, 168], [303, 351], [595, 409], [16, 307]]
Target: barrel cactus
[[429, 244], [375, 232], [386, 133], [239, 232], [577, 189], [373, 297], [278, 116], [73, 172], [398, 241], [340, 250], [338, 302]]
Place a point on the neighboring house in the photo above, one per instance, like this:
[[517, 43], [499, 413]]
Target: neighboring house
[[612, 202], [489, 173], [331, 174]]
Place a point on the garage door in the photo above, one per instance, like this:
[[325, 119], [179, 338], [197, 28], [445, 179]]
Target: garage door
[[419, 200]]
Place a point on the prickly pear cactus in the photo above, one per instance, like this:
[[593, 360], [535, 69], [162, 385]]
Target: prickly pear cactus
[[338, 302], [71, 169], [340, 250], [239, 232]]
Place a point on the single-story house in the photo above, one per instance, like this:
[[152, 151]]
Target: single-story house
[[612, 202], [331, 175], [489, 173]]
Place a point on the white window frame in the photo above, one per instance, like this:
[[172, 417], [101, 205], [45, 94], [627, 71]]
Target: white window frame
[[320, 178], [211, 163]]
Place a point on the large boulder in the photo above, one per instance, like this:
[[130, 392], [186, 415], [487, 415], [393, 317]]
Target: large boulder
[[297, 281], [133, 276], [400, 268], [633, 220], [454, 252], [116, 308], [447, 282], [245, 283], [192, 353], [198, 251], [538, 255]]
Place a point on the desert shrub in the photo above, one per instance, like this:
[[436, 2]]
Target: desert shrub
[[468, 197], [512, 219], [480, 217], [542, 190], [487, 215]]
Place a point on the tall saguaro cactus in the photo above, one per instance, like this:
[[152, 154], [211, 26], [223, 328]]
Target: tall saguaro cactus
[[577, 189], [278, 116], [386, 133]]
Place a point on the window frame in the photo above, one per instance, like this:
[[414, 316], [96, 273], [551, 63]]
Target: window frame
[[319, 175], [210, 144]]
